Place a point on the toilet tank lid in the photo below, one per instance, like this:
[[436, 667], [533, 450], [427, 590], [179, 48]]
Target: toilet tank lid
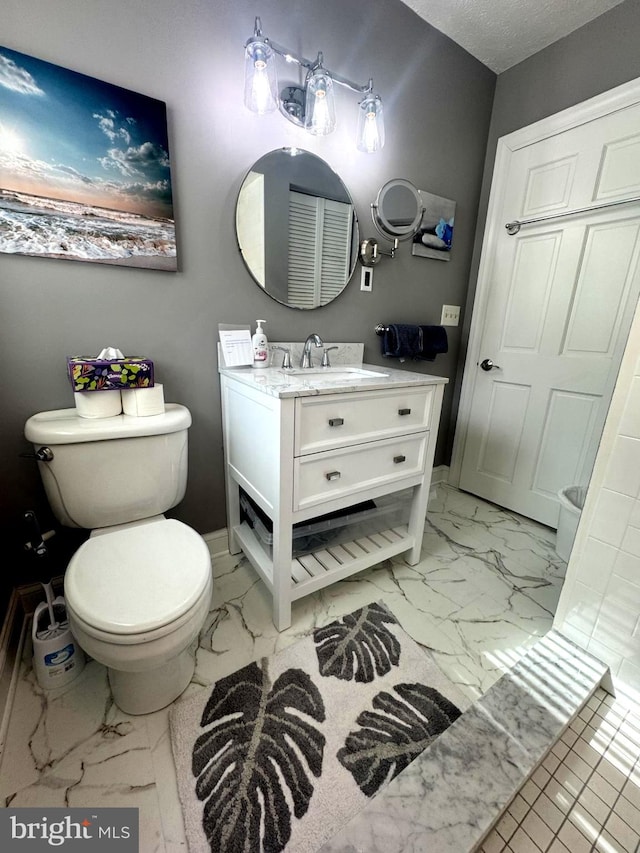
[[64, 426]]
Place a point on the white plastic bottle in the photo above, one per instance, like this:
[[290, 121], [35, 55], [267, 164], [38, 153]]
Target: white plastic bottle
[[260, 347]]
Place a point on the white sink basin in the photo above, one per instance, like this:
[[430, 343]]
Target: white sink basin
[[343, 373]]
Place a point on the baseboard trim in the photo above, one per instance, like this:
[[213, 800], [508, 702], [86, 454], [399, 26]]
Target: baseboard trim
[[14, 610], [440, 475], [31, 594], [217, 542], [12, 638]]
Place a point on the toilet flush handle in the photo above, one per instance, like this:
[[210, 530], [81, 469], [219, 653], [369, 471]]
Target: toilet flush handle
[[42, 454]]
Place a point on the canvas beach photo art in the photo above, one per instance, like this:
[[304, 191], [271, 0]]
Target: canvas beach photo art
[[84, 168]]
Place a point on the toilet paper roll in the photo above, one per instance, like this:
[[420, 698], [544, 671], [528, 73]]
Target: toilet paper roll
[[142, 402], [98, 404]]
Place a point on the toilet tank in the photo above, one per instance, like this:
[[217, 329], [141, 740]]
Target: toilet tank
[[107, 471]]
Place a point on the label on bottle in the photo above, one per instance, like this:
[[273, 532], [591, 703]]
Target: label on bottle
[[59, 657], [259, 354]]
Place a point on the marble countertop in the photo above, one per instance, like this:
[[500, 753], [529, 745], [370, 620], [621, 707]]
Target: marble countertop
[[278, 382]]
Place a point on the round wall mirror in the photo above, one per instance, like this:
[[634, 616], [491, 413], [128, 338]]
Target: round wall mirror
[[297, 228], [397, 210]]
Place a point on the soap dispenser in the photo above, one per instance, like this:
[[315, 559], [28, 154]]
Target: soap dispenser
[[260, 348]]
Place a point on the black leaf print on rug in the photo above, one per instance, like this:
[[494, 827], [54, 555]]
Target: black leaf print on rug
[[243, 762], [359, 646], [390, 739]]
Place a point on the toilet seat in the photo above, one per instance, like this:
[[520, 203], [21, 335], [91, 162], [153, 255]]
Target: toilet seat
[[138, 579]]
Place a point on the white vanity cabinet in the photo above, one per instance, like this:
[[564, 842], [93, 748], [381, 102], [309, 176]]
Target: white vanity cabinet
[[303, 447]]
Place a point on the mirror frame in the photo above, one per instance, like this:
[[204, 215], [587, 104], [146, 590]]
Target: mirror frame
[[355, 235], [382, 223]]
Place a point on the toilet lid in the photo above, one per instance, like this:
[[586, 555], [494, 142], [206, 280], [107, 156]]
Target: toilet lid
[[138, 578]]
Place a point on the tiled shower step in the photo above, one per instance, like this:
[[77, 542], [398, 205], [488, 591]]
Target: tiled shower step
[[455, 791], [585, 795]]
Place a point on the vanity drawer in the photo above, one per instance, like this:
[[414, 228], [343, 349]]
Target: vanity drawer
[[338, 420], [351, 470]]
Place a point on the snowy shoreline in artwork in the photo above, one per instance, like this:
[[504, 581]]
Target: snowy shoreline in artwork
[[36, 225]]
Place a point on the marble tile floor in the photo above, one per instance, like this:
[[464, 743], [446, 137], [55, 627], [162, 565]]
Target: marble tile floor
[[483, 594]]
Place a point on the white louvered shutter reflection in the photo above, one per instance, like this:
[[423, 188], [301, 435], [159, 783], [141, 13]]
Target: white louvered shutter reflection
[[319, 249]]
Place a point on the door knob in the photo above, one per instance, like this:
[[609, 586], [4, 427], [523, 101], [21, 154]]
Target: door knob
[[487, 364]]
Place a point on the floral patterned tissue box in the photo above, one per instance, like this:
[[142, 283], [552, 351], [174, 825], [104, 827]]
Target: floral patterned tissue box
[[94, 374]]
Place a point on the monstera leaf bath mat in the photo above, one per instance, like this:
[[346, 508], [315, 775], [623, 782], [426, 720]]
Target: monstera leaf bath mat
[[281, 754]]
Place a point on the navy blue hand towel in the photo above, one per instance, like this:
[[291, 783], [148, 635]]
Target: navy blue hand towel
[[402, 340], [434, 342]]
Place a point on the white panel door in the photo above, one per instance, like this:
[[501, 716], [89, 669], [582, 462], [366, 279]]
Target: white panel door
[[559, 302]]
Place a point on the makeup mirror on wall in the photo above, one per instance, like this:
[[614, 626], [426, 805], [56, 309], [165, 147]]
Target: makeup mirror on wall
[[397, 210], [297, 228]]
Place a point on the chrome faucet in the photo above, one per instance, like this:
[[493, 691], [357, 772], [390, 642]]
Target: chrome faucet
[[306, 353]]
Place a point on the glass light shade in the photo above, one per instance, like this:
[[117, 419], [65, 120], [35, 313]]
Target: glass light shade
[[370, 124], [260, 82], [320, 109]]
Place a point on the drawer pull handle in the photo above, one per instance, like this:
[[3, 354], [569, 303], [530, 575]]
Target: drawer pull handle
[[398, 459], [333, 475], [404, 411], [336, 421]]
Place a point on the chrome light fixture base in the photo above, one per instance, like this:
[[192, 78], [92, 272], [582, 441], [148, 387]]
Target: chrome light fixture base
[[291, 104]]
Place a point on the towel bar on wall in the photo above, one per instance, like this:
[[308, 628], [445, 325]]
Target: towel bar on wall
[[514, 227], [380, 329]]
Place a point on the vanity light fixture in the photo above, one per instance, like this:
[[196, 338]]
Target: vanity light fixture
[[260, 81], [311, 106], [370, 124], [319, 108]]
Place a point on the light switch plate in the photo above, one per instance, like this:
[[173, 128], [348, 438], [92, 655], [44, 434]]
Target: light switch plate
[[450, 315], [366, 279]]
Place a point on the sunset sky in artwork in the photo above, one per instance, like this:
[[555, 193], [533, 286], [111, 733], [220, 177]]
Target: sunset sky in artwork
[[68, 136]]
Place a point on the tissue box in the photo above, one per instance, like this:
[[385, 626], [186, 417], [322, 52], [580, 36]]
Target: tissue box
[[94, 374]]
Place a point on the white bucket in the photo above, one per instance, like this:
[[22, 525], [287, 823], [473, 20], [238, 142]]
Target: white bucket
[[57, 658], [571, 502]]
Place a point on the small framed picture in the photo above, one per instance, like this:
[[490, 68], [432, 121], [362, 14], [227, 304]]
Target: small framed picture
[[434, 237]]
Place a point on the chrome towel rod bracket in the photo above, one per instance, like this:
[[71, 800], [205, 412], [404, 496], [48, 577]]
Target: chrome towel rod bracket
[[380, 329]]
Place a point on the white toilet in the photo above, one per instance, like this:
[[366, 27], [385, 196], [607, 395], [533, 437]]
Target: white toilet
[[139, 589]]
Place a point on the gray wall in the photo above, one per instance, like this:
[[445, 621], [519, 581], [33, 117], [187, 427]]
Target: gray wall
[[592, 60], [190, 54]]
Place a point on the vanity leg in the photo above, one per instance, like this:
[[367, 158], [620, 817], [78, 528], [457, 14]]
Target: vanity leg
[[282, 556], [417, 520], [418, 515], [281, 615], [233, 514]]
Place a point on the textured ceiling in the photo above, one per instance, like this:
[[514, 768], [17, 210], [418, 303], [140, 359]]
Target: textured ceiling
[[501, 33]]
